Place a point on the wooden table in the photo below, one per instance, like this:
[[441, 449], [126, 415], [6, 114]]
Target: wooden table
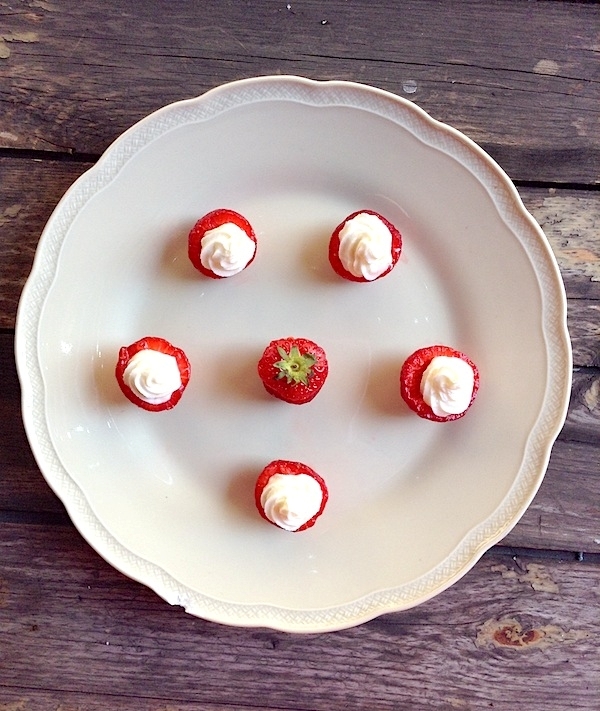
[[522, 628]]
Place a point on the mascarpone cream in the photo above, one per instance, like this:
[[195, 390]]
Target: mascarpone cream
[[290, 500], [226, 250], [447, 385], [365, 246], [152, 376]]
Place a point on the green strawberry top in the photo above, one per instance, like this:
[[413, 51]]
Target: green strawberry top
[[294, 366]]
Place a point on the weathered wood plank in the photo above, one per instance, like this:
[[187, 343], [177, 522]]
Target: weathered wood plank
[[23, 488], [570, 219], [564, 513], [519, 78], [30, 191], [583, 419], [583, 318], [36, 700], [513, 628]]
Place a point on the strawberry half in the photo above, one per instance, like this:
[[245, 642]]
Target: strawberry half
[[212, 221], [334, 248], [293, 369], [285, 467], [152, 343], [411, 375]]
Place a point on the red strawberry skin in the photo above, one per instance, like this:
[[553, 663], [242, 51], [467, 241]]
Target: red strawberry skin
[[334, 247], [210, 221], [284, 466], [153, 343], [411, 374], [276, 384]]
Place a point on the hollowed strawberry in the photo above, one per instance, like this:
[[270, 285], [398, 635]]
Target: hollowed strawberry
[[159, 345], [286, 508], [233, 255], [411, 375], [337, 261]]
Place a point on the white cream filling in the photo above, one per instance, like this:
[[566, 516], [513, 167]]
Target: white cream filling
[[152, 376], [365, 246], [226, 250], [447, 385], [290, 500]]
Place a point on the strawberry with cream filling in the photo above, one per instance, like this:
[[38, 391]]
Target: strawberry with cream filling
[[290, 495], [152, 373], [221, 244], [364, 247], [439, 383]]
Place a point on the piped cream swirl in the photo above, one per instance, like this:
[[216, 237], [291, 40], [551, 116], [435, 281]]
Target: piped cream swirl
[[447, 385], [290, 500], [152, 376], [365, 246], [226, 250]]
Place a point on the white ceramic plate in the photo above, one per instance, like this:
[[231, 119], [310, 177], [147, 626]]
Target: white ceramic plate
[[167, 498]]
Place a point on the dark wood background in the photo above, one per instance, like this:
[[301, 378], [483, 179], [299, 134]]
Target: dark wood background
[[521, 630]]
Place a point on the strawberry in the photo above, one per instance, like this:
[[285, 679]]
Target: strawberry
[[293, 369], [288, 504], [411, 375], [152, 343], [230, 255], [334, 249]]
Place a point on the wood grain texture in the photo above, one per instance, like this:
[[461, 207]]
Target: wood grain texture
[[36, 700], [30, 190], [564, 513], [571, 221], [520, 78], [583, 420], [90, 630]]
